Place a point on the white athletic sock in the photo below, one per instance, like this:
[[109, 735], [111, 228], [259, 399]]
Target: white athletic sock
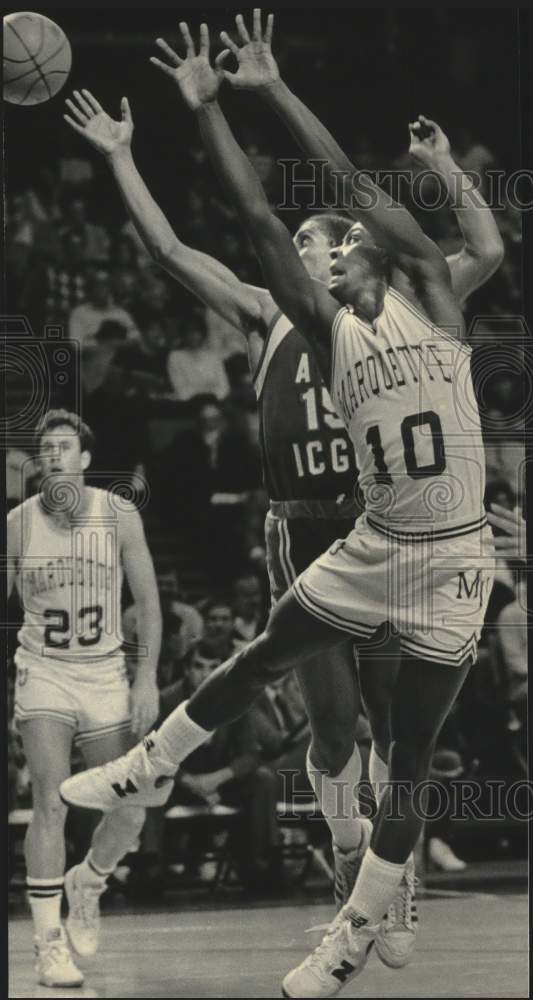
[[375, 888], [44, 896], [178, 736], [378, 771], [89, 873], [338, 802]]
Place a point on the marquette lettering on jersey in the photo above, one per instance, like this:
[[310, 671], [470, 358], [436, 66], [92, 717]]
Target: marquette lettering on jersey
[[405, 393], [307, 454], [69, 581]]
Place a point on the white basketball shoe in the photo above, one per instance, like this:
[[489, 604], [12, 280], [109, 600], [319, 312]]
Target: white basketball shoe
[[341, 956], [139, 778], [397, 933], [55, 966]]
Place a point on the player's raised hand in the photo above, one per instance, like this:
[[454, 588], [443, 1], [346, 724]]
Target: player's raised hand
[[428, 141], [256, 65], [197, 79], [90, 120]]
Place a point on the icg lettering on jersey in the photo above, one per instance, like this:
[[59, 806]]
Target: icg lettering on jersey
[[319, 455]]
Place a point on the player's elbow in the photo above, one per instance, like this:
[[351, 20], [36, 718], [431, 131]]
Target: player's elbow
[[165, 253]]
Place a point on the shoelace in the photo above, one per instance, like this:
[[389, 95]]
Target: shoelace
[[57, 952], [87, 904], [400, 909], [315, 959]]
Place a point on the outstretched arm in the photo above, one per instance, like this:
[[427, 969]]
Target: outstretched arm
[[307, 303], [204, 276], [482, 252], [392, 226]]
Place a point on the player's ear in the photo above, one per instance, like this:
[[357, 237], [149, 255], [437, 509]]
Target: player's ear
[[85, 460]]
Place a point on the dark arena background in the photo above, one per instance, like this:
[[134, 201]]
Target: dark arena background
[[217, 896]]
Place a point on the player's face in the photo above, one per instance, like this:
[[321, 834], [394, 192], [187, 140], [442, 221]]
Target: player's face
[[349, 266], [314, 247], [60, 454]]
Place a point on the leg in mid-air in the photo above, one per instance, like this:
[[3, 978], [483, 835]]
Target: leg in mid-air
[[144, 775], [47, 745], [114, 836], [331, 695]]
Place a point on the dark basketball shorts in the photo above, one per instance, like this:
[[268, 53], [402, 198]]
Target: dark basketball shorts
[[292, 544]]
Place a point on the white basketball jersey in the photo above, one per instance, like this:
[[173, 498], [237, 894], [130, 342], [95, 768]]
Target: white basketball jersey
[[69, 581], [404, 389]]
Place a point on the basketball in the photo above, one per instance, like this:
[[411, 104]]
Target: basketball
[[37, 58]]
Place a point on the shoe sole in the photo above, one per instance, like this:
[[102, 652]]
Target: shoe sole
[[58, 986], [391, 963], [96, 806]]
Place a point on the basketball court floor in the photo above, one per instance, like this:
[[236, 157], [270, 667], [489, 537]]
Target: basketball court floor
[[471, 944]]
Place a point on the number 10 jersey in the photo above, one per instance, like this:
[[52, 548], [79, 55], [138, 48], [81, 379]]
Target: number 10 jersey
[[69, 581], [405, 392]]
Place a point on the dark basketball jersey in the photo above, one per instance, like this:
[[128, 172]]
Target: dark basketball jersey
[[306, 452]]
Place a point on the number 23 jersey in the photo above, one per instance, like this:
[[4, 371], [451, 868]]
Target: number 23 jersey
[[405, 392], [69, 581]]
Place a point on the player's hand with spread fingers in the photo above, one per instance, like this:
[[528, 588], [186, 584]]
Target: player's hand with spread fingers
[[197, 79], [144, 699], [257, 67], [512, 544], [428, 142], [88, 118]]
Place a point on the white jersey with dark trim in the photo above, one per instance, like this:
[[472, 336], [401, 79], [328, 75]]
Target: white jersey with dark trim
[[70, 581], [404, 390]]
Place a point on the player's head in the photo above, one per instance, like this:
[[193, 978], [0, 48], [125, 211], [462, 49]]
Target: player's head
[[355, 264], [63, 445], [316, 237], [197, 665]]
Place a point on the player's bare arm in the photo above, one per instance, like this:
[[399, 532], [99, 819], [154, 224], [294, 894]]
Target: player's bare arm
[[207, 278], [140, 574], [391, 225], [13, 546], [482, 252], [307, 304]]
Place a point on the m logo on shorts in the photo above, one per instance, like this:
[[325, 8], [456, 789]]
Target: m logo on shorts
[[471, 586]]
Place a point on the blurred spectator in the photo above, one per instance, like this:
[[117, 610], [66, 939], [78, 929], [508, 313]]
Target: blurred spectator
[[21, 476], [95, 239], [248, 607], [220, 468], [225, 769], [219, 633], [56, 286], [86, 319], [222, 337], [195, 369], [446, 767], [472, 156], [512, 633]]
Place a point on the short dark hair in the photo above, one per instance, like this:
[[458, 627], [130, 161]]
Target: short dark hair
[[198, 648], [62, 418], [334, 225], [213, 602]]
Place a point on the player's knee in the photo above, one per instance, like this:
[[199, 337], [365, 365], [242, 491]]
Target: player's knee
[[331, 750], [410, 756]]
